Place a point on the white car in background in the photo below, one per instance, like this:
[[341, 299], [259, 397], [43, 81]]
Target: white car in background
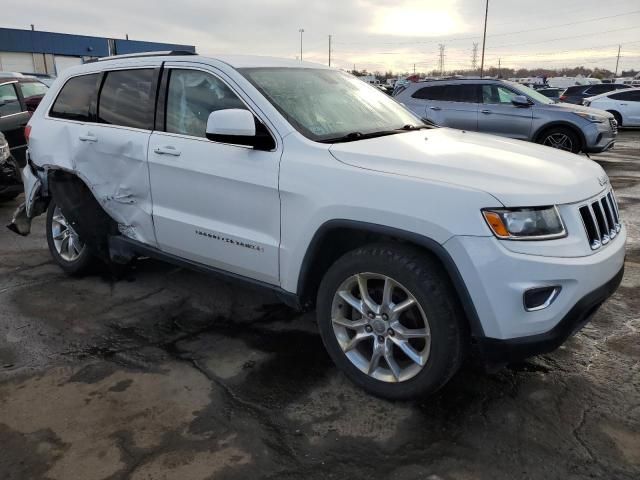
[[623, 104]]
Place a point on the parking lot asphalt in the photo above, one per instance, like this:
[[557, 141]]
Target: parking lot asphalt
[[170, 374]]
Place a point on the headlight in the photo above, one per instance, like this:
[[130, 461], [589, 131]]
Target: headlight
[[535, 223], [4, 152], [592, 117]]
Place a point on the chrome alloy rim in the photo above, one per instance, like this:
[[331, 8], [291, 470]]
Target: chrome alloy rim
[[559, 140], [65, 239], [381, 327]]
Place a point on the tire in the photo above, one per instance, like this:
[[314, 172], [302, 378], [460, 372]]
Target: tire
[[561, 138], [67, 249], [414, 276], [617, 116]]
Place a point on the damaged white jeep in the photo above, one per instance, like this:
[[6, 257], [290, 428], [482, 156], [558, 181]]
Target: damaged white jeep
[[418, 246]]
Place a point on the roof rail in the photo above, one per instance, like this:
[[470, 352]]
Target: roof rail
[[143, 54]]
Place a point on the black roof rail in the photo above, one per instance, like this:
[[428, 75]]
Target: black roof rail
[[165, 53]]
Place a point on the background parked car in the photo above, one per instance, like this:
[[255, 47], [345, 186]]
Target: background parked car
[[19, 97], [10, 180], [511, 110], [578, 93], [551, 92], [624, 105]]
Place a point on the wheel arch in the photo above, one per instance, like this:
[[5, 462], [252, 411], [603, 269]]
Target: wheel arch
[[537, 136], [617, 115], [334, 238]]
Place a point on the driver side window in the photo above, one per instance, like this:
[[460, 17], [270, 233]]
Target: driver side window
[[192, 95], [496, 94]]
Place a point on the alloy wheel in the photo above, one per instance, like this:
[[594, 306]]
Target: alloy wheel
[[65, 239], [559, 140], [381, 327]]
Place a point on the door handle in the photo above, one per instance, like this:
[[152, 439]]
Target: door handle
[[88, 138], [623, 104], [167, 151], [486, 112], [435, 108]]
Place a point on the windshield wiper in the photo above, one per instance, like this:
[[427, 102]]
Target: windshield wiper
[[353, 136]]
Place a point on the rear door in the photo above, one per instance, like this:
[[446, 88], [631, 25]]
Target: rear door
[[628, 103], [451, 105], [498, 116], [13, 118], [116, 162]]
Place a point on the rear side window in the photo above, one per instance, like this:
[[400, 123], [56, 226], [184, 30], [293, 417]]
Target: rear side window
[[9, 103], [33, 89], [575, 90], [629, 96], [126, 98], [449, 93], [74, 99], [192, 95], [598, 89]]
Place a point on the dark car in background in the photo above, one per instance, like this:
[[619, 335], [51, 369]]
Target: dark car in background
[[10, 180], [19, 97], [577, 93], [551, 92]]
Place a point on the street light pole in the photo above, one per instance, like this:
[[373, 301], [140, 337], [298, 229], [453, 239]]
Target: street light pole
[[301, 30], [484, 38]]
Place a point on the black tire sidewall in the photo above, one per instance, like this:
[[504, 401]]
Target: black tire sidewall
[[427, 286], [79, 266]]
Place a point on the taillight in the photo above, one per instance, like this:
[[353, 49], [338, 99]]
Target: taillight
[[27, 132], [563, 97]]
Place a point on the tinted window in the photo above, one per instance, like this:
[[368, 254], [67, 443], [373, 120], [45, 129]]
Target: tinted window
[[448, 93], [575, 90], [9, 103], [191, 97], [75, 98], [598, 89], [126, 99], [33, 89], [497, 94], [630, 96]]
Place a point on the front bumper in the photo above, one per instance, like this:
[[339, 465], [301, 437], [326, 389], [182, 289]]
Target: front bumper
[[495, 351], [600, 137]]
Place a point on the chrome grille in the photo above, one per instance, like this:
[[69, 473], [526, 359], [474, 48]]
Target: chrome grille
[[614, 125], [601, 219]]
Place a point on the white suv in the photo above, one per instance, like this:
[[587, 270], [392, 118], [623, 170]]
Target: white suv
[[418, 246]]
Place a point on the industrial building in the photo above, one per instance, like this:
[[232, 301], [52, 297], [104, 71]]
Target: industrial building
[[30, 51]]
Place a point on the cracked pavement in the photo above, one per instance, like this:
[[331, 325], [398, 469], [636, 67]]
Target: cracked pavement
[[170, 374]]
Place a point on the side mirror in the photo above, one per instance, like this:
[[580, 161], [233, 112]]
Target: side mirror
[[238, 127], [521, 101]]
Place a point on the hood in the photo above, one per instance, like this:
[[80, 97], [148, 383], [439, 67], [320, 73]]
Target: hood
[[517, 173], [570, 107]]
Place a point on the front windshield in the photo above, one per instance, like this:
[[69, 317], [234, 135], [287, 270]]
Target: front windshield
[[329, 104], [531, 93]]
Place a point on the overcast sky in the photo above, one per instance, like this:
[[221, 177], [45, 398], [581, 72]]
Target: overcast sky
[[372, 34]]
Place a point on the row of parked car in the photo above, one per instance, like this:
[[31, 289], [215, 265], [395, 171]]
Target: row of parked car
[[513, 110]]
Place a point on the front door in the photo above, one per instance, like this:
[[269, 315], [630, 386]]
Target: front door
[[213, 203], [498, 116]]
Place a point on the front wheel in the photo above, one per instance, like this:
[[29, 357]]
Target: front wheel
[[562, 139], [66, 247], [388, 318]]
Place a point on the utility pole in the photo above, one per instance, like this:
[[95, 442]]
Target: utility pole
[[474, 57], [414, 68], [301, 30], [126, 36], [484, 38], [499, 59], [617, 61], [33, 27], [441, 59], [329, 50]]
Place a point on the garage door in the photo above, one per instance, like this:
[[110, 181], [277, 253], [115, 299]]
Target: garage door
[[63, 63], [16, 62]]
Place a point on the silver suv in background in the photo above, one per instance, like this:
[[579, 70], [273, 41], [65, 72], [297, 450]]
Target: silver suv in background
[[504, 108]]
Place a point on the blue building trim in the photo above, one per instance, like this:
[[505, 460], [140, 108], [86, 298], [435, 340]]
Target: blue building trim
[[28, 41]]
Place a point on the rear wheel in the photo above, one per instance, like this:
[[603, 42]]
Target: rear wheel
[[66, 247], [562, 139], [388, 319]]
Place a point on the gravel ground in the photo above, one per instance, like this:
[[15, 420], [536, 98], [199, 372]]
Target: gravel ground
[[169, 374]]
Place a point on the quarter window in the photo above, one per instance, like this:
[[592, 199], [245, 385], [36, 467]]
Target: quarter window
[[126, 99], [9, 103], [496, 94], [192, 95], [74, 99]]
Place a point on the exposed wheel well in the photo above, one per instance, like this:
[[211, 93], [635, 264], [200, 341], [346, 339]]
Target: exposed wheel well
[[336, 238], [618, 116]]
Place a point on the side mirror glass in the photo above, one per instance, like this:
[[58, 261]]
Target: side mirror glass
[[239, 127], [520, 101]]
